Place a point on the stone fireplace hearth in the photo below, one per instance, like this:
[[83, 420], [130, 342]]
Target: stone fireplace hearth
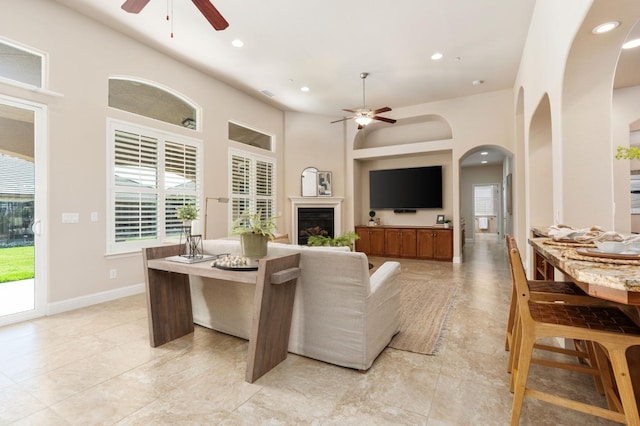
[[325, 213]]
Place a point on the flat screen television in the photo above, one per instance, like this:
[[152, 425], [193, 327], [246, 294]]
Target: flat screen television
[[406, 188]]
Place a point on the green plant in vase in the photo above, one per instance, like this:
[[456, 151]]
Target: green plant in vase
[[187, 213], [254, 230]]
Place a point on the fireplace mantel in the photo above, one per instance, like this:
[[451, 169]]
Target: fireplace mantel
[[300, 202]]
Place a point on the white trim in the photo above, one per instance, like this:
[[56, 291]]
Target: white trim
[[94, 299], [301, 202], [41, 161]]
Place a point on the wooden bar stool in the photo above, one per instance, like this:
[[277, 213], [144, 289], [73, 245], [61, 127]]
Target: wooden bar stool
[[555, 292], [613, 331]]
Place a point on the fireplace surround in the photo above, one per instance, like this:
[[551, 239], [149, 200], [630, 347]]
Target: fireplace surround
[[314, 205]]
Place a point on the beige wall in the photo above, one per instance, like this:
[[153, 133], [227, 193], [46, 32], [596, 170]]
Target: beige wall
[[82, 55], [311, 141], [575, 68]]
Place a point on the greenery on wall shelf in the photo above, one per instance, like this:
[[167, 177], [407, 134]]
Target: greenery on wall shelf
[[631, 153]]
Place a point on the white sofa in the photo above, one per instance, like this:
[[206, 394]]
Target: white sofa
[[341, 315]]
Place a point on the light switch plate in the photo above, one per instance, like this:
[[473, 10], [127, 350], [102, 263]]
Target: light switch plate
[[94, 216]]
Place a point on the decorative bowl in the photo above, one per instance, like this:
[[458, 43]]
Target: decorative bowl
[[612, 246]]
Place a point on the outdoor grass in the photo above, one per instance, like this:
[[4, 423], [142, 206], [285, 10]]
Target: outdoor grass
[[16, 263]]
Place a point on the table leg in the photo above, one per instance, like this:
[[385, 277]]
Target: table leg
[[273, 309]]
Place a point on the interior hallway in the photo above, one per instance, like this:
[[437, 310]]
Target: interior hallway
[[95, 366]]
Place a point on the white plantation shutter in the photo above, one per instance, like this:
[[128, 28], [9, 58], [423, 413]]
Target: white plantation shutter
[[252, 184], [483, 196], [151, 174]]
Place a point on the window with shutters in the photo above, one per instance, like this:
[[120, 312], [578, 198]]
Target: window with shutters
[[151, 174], [252, 180], [484, 199]]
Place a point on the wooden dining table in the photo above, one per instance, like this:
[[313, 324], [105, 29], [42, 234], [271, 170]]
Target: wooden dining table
[[599, 277]]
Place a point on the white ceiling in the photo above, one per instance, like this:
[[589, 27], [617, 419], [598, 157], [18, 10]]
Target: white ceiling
[[326, 45]]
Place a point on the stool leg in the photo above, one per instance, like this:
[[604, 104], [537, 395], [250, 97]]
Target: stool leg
[[521, 374], [508, 341], [625, 387]]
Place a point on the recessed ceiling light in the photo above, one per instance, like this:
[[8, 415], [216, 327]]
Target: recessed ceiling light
[[483, 162], [606, 27], [484, 153], [437, 56], [237, 43], [305, 89], [631, 44]]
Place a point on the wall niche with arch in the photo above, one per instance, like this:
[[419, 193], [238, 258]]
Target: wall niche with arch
[[423, 128]]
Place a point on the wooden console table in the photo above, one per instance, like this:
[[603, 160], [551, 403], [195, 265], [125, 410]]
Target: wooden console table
[[171, 316]]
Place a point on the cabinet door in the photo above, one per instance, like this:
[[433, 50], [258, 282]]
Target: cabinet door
[[392, 242], [408, 243], [443, 247], [362, 243], [425, 243], [376, 242]]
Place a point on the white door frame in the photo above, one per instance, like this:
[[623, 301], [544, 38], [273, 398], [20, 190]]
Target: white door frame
[[40, 207]]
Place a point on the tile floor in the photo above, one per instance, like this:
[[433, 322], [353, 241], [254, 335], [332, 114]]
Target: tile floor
[[95, 366]]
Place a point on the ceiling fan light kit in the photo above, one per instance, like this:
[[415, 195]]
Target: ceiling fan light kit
[[365, 116]]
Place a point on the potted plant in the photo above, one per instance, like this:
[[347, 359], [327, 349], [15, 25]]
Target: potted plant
[[447, 223], [187, 213], [345, 239], [255, 230], [372, 220]]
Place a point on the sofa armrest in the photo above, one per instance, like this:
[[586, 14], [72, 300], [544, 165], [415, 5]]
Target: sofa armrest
[[383, 274]]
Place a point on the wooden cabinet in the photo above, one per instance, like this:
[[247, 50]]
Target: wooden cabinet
[[371, 240], [435, 244], [400, 242], [403, 241]]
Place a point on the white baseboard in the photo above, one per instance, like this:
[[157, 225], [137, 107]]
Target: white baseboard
[[93, 299]]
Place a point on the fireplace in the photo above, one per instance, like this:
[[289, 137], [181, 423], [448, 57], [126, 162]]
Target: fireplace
[[307, 213], [314, 221]]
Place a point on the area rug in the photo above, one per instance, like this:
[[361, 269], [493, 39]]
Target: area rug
[[424, 309]]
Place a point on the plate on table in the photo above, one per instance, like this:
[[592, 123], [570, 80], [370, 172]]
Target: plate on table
[[235, 263], [594, 252]]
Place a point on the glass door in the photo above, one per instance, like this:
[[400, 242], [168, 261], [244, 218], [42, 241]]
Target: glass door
[[22, 208]]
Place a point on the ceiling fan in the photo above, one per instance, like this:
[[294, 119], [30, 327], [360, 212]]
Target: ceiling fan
[[206, 8], [364, 116]]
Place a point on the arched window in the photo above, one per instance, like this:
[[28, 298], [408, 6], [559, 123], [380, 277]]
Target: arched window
[[148, 100]]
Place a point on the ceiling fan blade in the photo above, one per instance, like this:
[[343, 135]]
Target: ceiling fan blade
[[351, 110], [385, 119], [211, 13], [134, 6], [342, 119], [381, 110]]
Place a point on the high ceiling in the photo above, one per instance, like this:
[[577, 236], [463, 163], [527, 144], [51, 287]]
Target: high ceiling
[[326, 45]]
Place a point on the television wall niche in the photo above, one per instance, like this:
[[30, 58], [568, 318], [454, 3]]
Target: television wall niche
[[406, 188]]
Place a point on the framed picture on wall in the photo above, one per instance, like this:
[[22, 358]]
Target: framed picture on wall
[[440, 219], [324, 184]]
